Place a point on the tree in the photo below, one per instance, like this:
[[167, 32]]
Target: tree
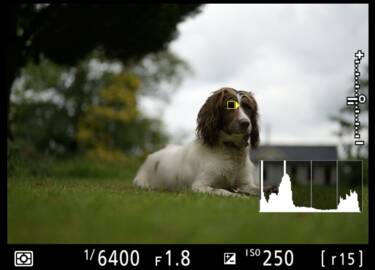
[[114, 128], [52, 106], [66, 33]]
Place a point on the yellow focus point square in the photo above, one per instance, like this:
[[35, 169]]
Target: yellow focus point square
[[232, 105]]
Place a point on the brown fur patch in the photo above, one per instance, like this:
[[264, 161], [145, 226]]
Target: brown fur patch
[[251, 109], [209, 123]]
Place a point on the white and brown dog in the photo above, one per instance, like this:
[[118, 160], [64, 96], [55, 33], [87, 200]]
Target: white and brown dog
[[217, 161]]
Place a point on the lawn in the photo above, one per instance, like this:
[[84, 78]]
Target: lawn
[[80, 201]]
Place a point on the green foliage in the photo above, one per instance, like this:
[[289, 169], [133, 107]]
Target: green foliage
[[24, 161], [68, 110], [114, 126]]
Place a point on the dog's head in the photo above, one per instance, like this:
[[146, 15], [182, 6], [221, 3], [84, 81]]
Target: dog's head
[[230, 116]]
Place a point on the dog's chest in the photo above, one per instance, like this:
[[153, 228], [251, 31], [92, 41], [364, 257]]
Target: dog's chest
[[228, 171]]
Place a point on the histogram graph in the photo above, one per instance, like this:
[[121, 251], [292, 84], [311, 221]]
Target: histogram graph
[[282, 201]]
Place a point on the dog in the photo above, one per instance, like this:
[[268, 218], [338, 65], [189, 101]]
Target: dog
[[217, 161]]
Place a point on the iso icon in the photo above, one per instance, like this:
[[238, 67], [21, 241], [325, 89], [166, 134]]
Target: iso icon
[[23, 258]]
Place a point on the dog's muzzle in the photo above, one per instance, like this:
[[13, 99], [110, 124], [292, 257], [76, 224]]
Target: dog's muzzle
[[235, 140]]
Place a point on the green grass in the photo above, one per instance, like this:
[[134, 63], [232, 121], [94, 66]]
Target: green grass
[[80, 201]]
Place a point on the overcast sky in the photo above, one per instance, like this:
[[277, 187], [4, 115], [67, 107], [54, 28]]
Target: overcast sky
[[296, 59]]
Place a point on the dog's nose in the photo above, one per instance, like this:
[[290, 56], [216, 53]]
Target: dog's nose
[[244, 124]]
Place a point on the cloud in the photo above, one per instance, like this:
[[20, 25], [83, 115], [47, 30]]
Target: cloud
[[297, 59]]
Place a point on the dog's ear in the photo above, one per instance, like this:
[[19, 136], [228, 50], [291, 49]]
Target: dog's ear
[[209, 119], [254, 119]]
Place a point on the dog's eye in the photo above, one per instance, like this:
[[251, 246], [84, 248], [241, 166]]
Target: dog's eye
[[232, 105], [246, 106]]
